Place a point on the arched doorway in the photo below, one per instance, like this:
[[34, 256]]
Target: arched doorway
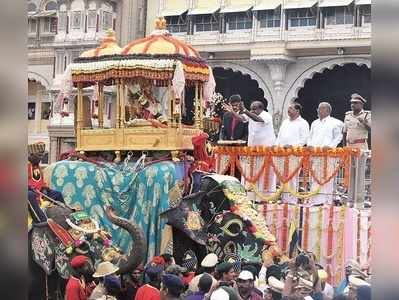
[[335, 86], [229, 82]]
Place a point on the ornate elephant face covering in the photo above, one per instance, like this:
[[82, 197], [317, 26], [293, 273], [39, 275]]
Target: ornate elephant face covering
[[229, 235]]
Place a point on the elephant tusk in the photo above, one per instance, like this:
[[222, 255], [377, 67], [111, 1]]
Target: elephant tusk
[[76, 227]]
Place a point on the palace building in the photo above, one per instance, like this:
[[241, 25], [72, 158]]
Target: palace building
[[279, 51]]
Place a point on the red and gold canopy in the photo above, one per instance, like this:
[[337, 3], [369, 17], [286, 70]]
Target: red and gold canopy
[[155, 57]]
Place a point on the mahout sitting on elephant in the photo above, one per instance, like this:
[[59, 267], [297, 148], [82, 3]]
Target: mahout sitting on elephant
[[67, 233], [219, 218]]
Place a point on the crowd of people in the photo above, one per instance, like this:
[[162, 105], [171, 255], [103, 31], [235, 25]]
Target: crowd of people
[[255, 127], [300, 278]]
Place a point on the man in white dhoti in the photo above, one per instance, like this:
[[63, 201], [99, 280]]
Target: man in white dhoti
[[325, 132], [294, 131], [260, 133]]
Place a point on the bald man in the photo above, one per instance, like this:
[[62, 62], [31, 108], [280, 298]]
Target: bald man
[[325, 132], [260, 133]]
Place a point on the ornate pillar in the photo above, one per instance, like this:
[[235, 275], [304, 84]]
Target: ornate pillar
[[277, 66]]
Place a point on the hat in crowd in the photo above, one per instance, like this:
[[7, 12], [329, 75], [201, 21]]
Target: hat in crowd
[[153, 269], [112, 282], [78, 261], [175, 269], [356, 269], [224, 267], [224, 293], [275, 284], [158, 260], [246, 275], [172, 282], [235, 260], [190, 260], [105, 268], [357, 98], [356, 282], [250, 268], [210, 260]]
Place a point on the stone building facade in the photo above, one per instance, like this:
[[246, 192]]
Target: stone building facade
[[281, 44]]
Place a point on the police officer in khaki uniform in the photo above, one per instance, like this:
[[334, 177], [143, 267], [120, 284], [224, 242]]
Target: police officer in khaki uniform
[[357, 124]]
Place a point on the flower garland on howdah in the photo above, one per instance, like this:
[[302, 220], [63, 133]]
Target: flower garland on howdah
[[232, 155], [157, 67]]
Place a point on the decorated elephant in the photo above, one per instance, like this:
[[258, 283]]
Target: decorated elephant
[[138, 191], [67, 233], [219, 218]]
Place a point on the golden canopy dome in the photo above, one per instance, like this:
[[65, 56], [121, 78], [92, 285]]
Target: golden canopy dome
[[160, 42], [108, 46]]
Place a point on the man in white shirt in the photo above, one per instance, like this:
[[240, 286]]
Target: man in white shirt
[[260, 133], [294, 131], [325, 132], [260, 125]]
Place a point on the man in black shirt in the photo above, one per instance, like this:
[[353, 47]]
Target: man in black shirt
[[232, 127]]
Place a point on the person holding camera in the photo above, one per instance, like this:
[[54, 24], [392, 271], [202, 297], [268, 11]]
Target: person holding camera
[[298, 286], [225, 273]]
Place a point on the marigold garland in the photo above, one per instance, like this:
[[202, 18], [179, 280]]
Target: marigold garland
[[319, 232], [306, 229], [343, 154], [251, 178], [330, 237], [284, 228], [274, 221], [341, 242]]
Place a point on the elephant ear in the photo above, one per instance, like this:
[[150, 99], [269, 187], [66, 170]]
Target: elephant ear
[[189, 222], [43, 248], [62, 261]]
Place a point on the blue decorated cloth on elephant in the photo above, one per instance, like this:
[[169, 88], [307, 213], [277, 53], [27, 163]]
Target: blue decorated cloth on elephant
[[137, 196]]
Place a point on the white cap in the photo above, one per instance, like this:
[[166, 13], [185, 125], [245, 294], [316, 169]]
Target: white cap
[[210, 260], [246, 275], [220, 294], [104, 269]]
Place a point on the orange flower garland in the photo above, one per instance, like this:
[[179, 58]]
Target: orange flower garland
[[306, 230], [330, 240], [284, 227], [343, 154]]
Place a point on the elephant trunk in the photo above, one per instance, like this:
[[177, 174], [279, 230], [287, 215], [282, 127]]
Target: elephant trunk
[[129, 262]]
